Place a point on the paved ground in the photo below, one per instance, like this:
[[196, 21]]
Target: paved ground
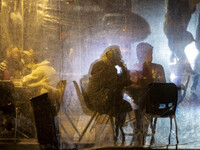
[[187, 114]]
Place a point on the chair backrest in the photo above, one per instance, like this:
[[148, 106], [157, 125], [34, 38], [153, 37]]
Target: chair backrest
[[81, 98], [44, 120], [61, 89], [84, 82], [184, 88], [161, 99]]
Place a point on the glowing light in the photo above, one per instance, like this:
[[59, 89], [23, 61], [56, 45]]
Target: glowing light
[[174, 62], [4, 4], [172, 77], [119, 69], [124, 51], [41, 12], [191, 53], [127, 97], [131, 101], [16, 16], [70, 52]]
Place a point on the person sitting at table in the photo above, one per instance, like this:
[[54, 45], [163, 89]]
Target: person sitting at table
[[15, 64], [144, 73], [27, 57], [104, 92], [43, 79], [7, 103], [4, 74], [145, 70], [11, 67]]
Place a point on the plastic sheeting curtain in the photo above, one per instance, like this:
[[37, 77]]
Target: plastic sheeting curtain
[[72, 34]]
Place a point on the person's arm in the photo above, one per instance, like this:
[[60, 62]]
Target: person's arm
[[6, 75], [34, 78], [136, 76]]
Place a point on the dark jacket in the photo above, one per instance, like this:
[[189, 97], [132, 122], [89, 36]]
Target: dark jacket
[[105, 88]]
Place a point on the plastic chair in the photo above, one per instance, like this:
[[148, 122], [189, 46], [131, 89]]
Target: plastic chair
[[161, 102], [94, 114], [44, 115], [182, 89], [61, 88]]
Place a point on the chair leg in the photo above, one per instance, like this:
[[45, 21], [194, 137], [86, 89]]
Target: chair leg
[[16, 123], [105, 125], [62, 127], [170, 130], [97, 116], [85, 129], [71, 123], [176, 129], [153, 130], [143, 132], [129, 119], [116, 127], [123, 135], [113, 129]]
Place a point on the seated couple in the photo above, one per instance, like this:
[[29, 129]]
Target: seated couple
[[109, 77]]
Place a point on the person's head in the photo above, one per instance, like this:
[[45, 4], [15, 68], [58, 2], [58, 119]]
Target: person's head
[[15, 54], [144, 52], [29, 56], [113, 55]]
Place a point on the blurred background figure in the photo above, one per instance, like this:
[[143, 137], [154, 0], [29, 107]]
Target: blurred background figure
[[7, 105], [10, 69], [4, 73], [177, 20], [12, 66]]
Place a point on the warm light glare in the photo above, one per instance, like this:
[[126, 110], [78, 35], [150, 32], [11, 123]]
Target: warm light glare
[[124, 51], [3, 4], [41, 12]]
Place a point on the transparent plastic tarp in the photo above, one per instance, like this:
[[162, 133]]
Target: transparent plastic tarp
[[47, 41]]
